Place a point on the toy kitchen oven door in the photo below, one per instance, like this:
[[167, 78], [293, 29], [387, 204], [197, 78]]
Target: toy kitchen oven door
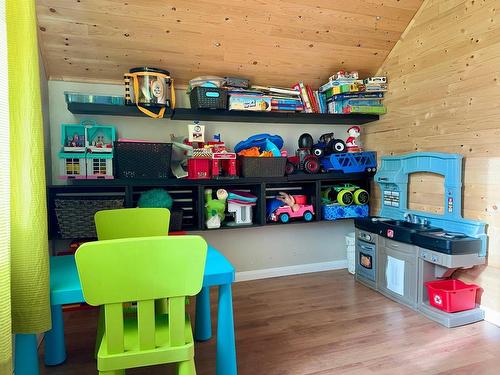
[[366, 258]]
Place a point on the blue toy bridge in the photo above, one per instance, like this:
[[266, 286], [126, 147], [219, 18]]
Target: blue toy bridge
[[350, 162]]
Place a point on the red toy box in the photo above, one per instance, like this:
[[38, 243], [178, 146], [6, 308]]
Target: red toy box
[[451, 295]]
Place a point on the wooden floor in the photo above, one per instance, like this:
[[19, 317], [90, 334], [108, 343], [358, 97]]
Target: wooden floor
[[319, 324]]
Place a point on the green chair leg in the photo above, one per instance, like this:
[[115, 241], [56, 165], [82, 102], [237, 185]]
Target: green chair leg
[[186, 367], [115, 372], [100, 331]]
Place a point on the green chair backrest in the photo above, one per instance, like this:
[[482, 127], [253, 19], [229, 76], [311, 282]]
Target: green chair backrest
[[141, 270], [132, 222]]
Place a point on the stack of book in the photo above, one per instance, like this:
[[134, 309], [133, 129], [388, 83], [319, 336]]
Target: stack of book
[[314, 101], [346, 93], [282, 99]]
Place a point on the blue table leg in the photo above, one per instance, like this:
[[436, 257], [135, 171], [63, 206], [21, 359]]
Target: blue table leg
[[55, 349], [226, 349], [26, 355], [203, 321]]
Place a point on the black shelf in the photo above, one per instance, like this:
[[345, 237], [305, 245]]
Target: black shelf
[[189, 194], [272, 117], [224, 115], [111, 110], [299, 177]]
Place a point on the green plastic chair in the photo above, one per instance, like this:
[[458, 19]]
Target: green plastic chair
[[132, 222], [143, 270]]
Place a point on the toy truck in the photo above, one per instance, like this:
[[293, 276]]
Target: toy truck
[[355, 162]]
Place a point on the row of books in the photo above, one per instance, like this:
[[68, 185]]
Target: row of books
[[346, 93]]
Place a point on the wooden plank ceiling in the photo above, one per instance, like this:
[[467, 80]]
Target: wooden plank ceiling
[[269, 41]]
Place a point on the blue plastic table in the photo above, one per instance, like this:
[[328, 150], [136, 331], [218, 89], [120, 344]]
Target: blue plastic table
[[65, 288]]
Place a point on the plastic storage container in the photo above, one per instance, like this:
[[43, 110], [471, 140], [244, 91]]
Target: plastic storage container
[[451, 295], [262, 166], [208, 98], [142, 160], [351, 252], [76, 97], [335, 211]]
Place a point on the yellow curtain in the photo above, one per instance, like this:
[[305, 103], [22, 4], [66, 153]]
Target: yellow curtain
[[5, 318], [29, 243]]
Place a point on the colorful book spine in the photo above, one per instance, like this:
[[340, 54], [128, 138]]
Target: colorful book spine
[[355, 95], [310, 94], [286, 101], [303, 94], [378, 110]]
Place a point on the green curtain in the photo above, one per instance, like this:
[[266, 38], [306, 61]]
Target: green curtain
[[5, 317], [29, 240]]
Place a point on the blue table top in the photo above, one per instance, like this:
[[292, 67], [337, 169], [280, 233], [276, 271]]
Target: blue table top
[[65, 285]]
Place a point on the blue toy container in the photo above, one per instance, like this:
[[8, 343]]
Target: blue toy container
[[332, 212]]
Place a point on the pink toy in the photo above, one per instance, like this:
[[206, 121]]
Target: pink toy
[[285, 213], [292, 208], [351, 142]]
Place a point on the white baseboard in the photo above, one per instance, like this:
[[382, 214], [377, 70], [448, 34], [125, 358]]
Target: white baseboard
[[491, 315], [290, 270]]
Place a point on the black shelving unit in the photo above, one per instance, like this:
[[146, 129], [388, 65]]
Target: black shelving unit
[[226, 116], [188, 195]]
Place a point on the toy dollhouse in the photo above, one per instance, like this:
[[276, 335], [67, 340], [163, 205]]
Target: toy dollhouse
[[87, 151], [99, 146]]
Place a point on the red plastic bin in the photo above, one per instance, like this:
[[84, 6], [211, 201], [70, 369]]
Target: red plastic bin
[[451, 295]]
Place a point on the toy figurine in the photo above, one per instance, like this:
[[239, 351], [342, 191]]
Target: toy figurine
[[351, 142], [215, 209], [75, 141]]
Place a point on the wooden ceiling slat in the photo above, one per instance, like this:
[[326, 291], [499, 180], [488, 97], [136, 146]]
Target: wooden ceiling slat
[[271, 42]]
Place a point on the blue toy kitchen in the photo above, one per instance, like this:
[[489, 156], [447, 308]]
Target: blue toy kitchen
[[406, 254]]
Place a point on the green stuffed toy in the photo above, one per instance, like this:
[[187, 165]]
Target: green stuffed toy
[[155, 198]]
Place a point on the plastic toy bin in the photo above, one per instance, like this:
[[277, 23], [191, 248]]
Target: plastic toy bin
[[262, 166], [451, 295], [142, 160]]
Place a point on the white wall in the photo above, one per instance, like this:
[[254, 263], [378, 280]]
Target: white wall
[[248, 249]]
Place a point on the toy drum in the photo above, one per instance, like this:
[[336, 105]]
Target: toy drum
[[152, 88]]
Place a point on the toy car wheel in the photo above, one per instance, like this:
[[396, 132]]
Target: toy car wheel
[[289, 168], [361, 196], [337, 146], [311, 165], [317, 151], [284, 218], [308, 216], [345, 198]]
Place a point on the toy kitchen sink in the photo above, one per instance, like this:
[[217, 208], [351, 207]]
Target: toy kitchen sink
[[400, 250]]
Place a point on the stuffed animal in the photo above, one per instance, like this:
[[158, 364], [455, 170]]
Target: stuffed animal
[[155, 198]]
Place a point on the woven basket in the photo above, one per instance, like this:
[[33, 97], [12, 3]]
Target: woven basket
[[76, 216]]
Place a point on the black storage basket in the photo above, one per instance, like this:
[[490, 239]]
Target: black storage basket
[[142, 160], [208, 98], [262, 166], [176, 217], [75, 216]]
